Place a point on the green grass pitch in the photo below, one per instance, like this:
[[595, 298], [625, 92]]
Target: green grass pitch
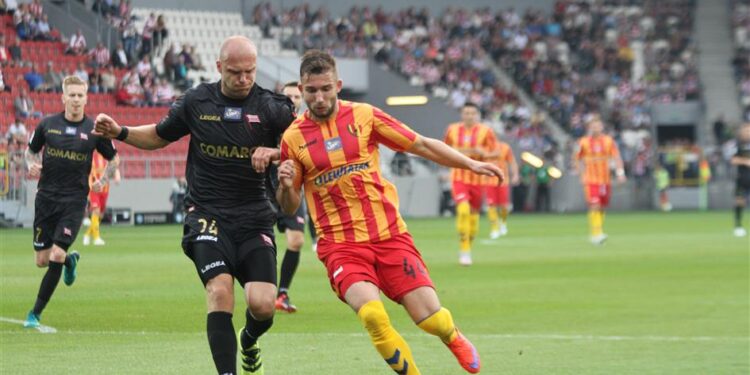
[[668, 294]]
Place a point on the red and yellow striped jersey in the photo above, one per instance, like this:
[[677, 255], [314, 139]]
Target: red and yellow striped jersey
[[460, 137], [98, 166], [596, 154], [503, 161], [338, 163]]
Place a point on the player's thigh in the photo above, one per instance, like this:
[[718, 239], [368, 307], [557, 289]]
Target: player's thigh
[[71, 217], [491, 193], [459, 192], [400, 267], [476, 195], [360, 293], [503, 195], [257, 259], [206, 244], [347, 264], [46, 216]]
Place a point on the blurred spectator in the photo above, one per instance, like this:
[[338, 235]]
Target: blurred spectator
[[177, 198], [160, 32], [130, 92], [34, 79], [3, 87], [99, 56], [53, 78], [95, 81], [119, 57], [144, 67], [169, 62], [196, 59], [77, 45], [180, 74], [23, 28], [42, 30], [17, 133], [36, 9], [147, 35], [401, 165], [4, 54], [15, 52], [164, 95], [186, 58], [109, 80], [720, 128], [81, 72], [24, 106]]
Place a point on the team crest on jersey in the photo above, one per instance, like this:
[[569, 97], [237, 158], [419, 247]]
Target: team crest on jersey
[[333, 144], [354, 129], [84, 136], [266, 239], [232, 114], [70, 130]]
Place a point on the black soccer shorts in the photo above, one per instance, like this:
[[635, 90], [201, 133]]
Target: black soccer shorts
[[56, 222]]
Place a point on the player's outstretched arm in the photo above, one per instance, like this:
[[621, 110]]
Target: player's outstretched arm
[[441, 153], [143, 137], [287, 194], [739, 160]]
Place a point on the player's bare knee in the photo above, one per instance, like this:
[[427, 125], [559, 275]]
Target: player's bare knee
[[740, 201], [42, 262], [57, 255], [295, 241], [219, 295], [262, 308]]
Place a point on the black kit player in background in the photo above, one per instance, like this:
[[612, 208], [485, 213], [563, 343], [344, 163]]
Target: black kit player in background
[[60, 202], [742, 188], [234, 126], [293, 226]]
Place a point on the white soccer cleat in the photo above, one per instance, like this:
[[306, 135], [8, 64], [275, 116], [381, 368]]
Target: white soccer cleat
[[599, 240], [495, 234], [86, 240], [99, 242], [740, 232], [503, 229], [464, 259]]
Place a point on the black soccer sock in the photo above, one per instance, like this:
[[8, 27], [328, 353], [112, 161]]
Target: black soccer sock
[[222, 341], [737, 216], [288, 268], [254, 329], [49, 283]]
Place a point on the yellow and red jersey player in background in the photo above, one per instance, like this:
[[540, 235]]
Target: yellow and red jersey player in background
[[596, 151], [98, 194], [498, 194], [475, 140]]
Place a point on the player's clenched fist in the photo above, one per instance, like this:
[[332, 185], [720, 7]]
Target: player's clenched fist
[[286, 173], [488, 169], [262, 156], [106, 127]]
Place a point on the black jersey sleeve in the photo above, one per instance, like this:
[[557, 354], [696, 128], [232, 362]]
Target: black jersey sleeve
[[174, 126], [280, 112], [106, 148], [37, 140]]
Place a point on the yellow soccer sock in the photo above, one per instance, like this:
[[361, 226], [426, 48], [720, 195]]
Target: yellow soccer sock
[[474, 226], [88, 231], [391, 346], [504, 214], [595, 222], [463, 224], [494, 220], [440, 324], [94, 228]]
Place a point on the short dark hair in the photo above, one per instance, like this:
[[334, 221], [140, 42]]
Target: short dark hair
[[471, 104], [316, 61], [290, 84]]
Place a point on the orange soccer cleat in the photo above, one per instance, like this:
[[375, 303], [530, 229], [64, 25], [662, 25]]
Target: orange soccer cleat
[[465, 353]]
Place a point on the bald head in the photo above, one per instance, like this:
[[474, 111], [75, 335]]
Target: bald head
[[237, 65], [237, 46]]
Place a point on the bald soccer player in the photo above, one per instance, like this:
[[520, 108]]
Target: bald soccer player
[[234, 127]]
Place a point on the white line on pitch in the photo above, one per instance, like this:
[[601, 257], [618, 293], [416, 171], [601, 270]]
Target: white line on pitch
[[509, 336], [41, 328]]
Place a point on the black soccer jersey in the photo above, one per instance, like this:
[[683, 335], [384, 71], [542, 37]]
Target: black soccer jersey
[[66, 162], [743, 151], [223, 134]]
